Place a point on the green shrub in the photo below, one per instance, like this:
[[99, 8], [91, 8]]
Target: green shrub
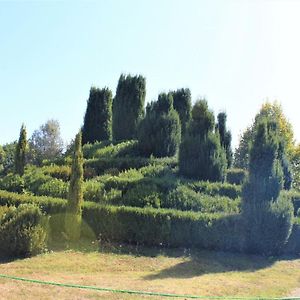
[[93, 191], [216, 188], [236, 176], [13, 183], [89, 150], [141, 195], [184, 198], [23, 231], [58, 172], [54, 188]]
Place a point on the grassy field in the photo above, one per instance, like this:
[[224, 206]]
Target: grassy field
[[170, 271]]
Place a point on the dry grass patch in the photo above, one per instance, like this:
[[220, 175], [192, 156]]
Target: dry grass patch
[[169, 271]]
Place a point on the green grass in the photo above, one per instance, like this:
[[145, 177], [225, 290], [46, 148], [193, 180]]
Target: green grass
[[169, 271]]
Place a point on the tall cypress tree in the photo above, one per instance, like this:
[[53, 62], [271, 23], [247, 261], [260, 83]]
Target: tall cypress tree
[[201, 155], [20, 154], [159, 132], [75, 196], [183, 105], [225, 137], [97, 124], [128, 106]]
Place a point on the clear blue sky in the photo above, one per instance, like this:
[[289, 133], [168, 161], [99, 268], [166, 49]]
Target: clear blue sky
[[237, 54]]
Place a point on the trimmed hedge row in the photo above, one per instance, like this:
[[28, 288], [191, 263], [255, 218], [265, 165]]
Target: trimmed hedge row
[[149, 226], [100, 165], [236, 176]]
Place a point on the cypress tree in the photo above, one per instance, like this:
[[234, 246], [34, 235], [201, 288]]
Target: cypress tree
[[128, 106], [201, 155], [225, 137], [97, 124], [183, 105], [159, 132], [20, 152], [75, 196], [267, 215]]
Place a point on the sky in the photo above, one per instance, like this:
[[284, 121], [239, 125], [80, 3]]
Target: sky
[[236, 54]]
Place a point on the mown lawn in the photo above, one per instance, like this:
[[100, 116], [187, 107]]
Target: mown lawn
[[204, 273]]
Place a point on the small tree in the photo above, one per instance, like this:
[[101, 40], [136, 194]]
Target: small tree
[[20, 153], [128, 106], [159, 133], [225, 137], [201, 155], [267, 215], [183, 105], [97, 124], [75, 195]]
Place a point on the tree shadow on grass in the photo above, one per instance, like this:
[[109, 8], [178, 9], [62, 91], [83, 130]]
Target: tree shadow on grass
[[209, 262]]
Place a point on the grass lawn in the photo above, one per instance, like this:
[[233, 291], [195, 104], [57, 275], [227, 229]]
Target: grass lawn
[[204, 273]]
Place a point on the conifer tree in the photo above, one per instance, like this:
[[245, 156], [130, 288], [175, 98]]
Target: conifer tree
[[128, 106], [75, 195], [201, 155], [183, 105], [225, 137], [20, 154], [159, 132], [267, 215], [97, 124]]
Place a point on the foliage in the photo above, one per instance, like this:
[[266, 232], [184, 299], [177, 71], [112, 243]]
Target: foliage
[[75, 195], [268, 217], [12, 183], [159, 133], [8, 158], [20, 153], [128, 106], [183, 105], [225, 137], [53, 188], [184, 198], [23, 231], [45, 143], [58, 172], [97, 125], [201, 155], [236, 176]]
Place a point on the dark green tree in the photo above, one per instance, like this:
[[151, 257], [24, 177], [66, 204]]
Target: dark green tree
[[159, 132], [183, 105], [20, 153], [75, 196], [128, 107], [225, 136], [201, 155], [97, 124], [267, 215]]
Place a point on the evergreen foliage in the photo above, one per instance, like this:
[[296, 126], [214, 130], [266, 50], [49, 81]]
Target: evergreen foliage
[[128, 107], [201, 155], [97, 124], [225, 136], [267, 215], [159, 133], [20, 154], [183, 105], [75, 195]]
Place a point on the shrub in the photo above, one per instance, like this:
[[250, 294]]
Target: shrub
[[183, 198], [54, 188], [22, 231], [12, 183], [93, 191], [236, 176], [58, 172], [89, 150]]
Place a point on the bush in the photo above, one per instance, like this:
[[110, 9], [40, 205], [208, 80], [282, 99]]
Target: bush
[[216, 188], [236, 176], [93, 191], [89, 150], [184, 198], [12, 183], [54, 188], [58, 172], [22, 231]]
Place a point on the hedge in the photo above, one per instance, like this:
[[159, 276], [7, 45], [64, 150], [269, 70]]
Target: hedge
[[149, 226], [236, 176]]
